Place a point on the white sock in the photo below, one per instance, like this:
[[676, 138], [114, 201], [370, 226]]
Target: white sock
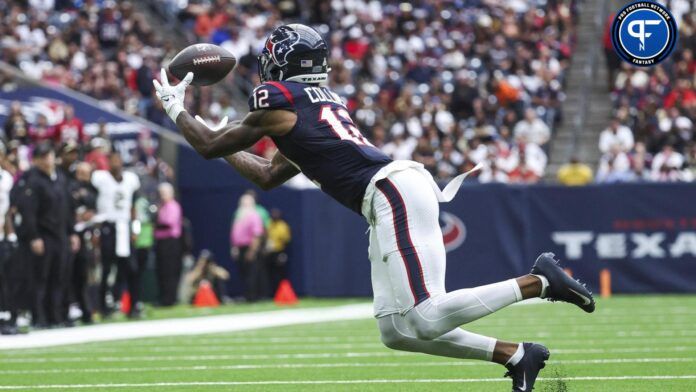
[[517, 356], [544, 285]]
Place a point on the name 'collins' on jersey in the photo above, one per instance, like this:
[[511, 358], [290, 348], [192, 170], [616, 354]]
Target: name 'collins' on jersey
[[324, 144]]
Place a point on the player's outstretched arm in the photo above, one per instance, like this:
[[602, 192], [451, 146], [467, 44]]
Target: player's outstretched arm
[[262, 172], [235, 137], [231, 139]]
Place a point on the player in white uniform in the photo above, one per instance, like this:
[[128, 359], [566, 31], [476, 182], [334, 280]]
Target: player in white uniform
[[116, 189]]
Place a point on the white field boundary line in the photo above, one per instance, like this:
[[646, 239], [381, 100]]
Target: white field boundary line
[[260, 344], [185, 326], [335, 365], [328, 382], [319, 355], [263, 348]]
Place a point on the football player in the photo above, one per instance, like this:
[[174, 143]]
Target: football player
[[399, 199]]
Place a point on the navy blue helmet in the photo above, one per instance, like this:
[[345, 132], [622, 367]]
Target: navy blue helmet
[[294, 53]]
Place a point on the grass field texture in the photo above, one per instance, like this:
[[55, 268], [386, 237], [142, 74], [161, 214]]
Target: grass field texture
[[631, 343]]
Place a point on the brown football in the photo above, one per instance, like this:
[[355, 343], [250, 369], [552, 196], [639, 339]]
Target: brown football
[[209, 64]]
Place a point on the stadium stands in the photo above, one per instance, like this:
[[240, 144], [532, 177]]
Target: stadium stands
[[103, 49]]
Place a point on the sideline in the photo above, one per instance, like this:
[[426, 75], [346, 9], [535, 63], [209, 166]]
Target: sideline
[[185, 326]]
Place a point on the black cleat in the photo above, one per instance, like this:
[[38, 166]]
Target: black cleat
[[561, 286], [524, 374]]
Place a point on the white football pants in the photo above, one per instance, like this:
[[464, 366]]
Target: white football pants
[[408, 259]]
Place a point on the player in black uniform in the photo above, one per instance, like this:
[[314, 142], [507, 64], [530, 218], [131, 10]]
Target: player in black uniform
[[399, 199]]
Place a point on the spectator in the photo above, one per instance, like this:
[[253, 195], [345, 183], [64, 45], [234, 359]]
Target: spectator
[[667, 165], [71, 129], [16, 126], [641, 161], [614, 166], [168, 247], [97, 156], [41, 131], [527, 155], [246, 237], [616, 135], [46, 234], [279, 236], [145, 239], [493, 174], [534, 129], [523, 173], [575, 173]]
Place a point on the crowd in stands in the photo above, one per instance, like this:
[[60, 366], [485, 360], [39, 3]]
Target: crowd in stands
[[447, 83], [651, 135], [101, 48]]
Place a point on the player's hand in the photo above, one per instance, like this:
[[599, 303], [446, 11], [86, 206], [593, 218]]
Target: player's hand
[[172, 97], [214, 128]]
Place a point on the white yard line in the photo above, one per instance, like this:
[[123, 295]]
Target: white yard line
[[185, 326], [333, 365], [169, 358], [262, 346], [327, 382], [318, 355]]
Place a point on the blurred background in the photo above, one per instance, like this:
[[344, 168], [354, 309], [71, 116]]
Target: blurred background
[[583, 154]]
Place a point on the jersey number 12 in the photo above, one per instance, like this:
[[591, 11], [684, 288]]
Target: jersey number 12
[[342, 125]]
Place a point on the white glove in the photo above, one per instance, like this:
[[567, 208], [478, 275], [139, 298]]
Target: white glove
[[172, 97], [215, 128]]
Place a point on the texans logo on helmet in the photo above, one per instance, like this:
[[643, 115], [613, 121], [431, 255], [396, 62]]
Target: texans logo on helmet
[[453, 231], [281, 43]]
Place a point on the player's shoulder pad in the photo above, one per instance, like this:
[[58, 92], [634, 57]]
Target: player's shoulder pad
[[132, 178], [272, 95]]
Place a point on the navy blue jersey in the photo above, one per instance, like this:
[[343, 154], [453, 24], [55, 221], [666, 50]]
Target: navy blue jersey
[[324, 144]]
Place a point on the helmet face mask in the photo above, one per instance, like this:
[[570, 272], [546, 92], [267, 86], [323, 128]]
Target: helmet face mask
[[295, 53]]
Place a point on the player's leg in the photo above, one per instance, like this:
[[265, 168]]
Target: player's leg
[[444, 311], [408, 229], [108, 254], [397, 334], [416, 269], [412, 248]]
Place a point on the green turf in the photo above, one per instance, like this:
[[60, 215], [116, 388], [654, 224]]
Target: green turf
[[627, 336]]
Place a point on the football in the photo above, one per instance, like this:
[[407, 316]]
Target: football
[[209, 63]]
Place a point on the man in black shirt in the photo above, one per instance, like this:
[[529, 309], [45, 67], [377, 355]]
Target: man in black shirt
[[46, 234]]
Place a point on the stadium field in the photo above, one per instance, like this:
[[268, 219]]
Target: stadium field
[[631, 343]]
